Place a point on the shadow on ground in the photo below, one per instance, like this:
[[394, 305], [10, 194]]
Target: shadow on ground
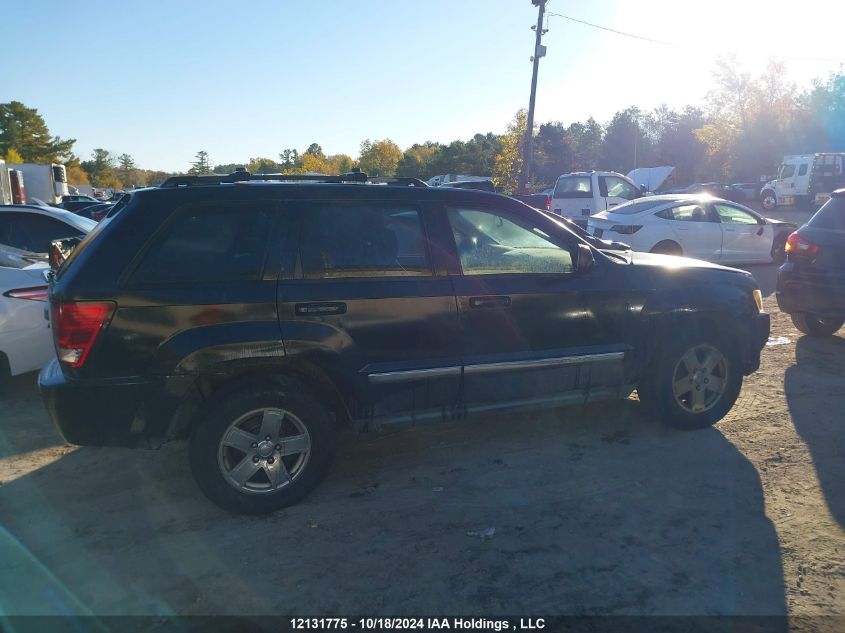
[[815, 392], [595, 510]]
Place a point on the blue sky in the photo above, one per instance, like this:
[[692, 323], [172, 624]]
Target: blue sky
[[162, 80]]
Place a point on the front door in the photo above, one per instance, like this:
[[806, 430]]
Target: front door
[[697, 228], [616, 191], [533, 329], [364, 297], [745, 237]]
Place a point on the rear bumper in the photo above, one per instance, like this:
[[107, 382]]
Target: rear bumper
[[821, 296], [105, 412]]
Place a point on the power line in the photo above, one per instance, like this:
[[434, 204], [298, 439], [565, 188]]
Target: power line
[[604, 28], [674, 44]]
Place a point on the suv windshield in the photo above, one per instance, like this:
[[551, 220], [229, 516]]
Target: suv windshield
[[573, 187]]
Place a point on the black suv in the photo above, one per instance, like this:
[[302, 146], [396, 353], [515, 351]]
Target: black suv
[[256, 317], [811, 284]]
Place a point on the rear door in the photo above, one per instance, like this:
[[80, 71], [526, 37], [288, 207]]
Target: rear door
[[746, 238], [365, 294], [533, 330]]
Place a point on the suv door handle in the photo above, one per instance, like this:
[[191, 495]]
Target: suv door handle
[[491, 301], [307, 309]]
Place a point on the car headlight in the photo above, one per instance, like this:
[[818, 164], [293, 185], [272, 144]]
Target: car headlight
[[758, 299]]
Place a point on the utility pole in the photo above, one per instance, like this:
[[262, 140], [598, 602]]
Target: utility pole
[[539, 51]]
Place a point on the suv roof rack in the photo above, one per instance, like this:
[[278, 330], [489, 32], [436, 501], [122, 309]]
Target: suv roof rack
[[241, 175]]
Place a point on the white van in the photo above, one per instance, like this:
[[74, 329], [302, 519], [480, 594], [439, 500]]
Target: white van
[[581, 194]]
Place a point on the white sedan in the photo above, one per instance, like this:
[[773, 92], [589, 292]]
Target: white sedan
[[25, 339], [696, 226]]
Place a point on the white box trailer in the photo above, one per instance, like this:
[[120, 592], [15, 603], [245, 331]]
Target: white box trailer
[[47, 183]]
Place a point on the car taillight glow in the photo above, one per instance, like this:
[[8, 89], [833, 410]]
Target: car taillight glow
[[795, 243], [548, 203], [33, 293], [75, 328], [626, 229]]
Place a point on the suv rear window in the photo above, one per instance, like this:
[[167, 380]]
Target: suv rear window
[[573, 187], [363, 241], [210, 242], [830, 216]]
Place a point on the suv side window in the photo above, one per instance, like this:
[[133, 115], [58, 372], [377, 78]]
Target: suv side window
[[802, 170], [363, 240], [489, 243], [213, 241], [614, 187], [733, 215]]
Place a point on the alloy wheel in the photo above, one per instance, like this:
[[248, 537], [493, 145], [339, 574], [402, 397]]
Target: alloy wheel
[[263, 451], [700, 378]]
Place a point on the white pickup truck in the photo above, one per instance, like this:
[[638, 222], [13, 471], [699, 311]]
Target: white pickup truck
[[584, 193]]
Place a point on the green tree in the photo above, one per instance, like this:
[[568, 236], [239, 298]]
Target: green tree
[[315, 150], [127, 171], [289, 159], [101, 169], [509, 160], [585, 140], [553, 153], [625, 144], [200, 165], [379, 158], [25, 131]]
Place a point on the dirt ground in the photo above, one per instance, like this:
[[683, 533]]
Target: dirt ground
[[596, 510]]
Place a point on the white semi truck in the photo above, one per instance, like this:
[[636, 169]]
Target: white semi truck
[[804, 179], [47, 183]]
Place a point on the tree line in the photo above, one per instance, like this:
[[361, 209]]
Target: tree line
[[740, 133]]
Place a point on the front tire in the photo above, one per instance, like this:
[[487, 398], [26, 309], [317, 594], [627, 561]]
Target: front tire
[[261, 448], [816, 325], [693, 380], [768, 200]]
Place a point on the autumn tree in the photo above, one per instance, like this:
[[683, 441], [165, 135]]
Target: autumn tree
[[75, 174], [509, 160], [379, 158], [25, 131]]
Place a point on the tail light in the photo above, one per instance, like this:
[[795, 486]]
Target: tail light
[[548, 203], [626, 229], [800, 245], [34, 293], [76, 326]]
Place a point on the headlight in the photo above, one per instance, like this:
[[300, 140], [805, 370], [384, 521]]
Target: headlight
[[758, 299]]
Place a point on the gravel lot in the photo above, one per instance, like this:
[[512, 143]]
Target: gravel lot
[[596, 510]]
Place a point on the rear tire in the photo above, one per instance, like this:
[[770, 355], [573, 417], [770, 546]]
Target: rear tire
[[693, 380], [667, 247], [242, 471], [815, 325]]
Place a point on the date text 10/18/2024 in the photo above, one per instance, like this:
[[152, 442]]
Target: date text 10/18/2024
[[419, 624]]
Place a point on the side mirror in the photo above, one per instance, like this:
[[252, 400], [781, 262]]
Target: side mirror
[[585, 260], [643, 190]]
